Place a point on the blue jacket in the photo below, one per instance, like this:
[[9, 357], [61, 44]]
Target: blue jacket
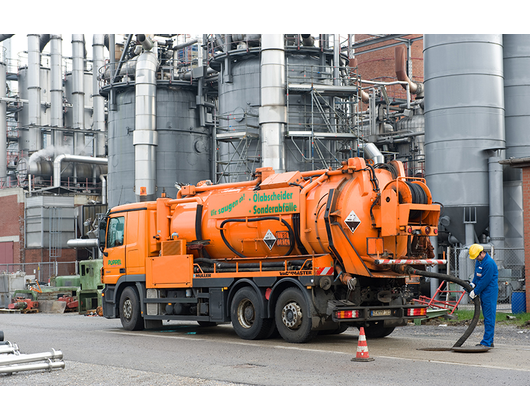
[[486, 276]]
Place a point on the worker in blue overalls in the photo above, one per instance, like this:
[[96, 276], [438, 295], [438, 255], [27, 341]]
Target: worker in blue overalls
[[485, 285]]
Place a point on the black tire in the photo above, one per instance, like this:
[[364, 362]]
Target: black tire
[[378, 331], [293, 317], [247, 317], [130, 316]]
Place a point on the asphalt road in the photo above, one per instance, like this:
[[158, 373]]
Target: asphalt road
[[97, 351]]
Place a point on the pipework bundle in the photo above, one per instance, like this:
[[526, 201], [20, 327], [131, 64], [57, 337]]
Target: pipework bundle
[[11, 360]]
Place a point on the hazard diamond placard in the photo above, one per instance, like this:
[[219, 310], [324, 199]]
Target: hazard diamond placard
[[352, 221], [269, 239]]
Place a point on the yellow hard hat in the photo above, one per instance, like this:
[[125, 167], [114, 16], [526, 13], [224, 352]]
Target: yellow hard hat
[[474, 250]]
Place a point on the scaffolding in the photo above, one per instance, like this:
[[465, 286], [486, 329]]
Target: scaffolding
[[324, 120]]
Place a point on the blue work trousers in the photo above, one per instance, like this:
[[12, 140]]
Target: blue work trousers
[[489, 308]]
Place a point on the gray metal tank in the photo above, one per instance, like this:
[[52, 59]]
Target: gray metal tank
[[25, 142], [240, 101], [88, 91], [183, 151], [464, 121], [517, 120]]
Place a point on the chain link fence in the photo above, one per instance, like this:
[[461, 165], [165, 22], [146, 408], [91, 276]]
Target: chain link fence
[[43, 271], [510, 262]]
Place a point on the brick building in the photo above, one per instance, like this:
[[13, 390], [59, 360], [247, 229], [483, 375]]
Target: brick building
[[12, 225], [376, 62], [16, 253]]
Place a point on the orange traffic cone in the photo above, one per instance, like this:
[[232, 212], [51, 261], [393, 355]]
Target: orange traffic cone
[[362, 349]]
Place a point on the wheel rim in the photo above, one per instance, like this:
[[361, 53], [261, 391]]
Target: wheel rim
[[246, 313], [127, 309], [292, 315]]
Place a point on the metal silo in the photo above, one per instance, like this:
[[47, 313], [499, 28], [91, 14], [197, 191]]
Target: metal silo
[[177, 147], [517, 120], [30, 138], [295, 102], [464, 126]]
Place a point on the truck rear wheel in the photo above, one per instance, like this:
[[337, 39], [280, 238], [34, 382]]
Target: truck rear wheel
[[293, 317], [246, 314], [130, 316]]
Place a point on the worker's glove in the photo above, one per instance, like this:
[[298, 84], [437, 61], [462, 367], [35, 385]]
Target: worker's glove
[[472, 294], [472, 285]]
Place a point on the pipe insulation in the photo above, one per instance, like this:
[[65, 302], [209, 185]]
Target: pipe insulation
[[273, 109], [145, 136], [34, 94], [56, 88], [98, 56], [401, 71], [72, 158], [78, 90]]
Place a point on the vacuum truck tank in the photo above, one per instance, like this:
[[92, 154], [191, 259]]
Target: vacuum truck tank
[[297, 252]]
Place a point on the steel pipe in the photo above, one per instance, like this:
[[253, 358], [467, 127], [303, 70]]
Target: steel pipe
[[273, 109], [8, 347], [28, 358], [48, 364], [98, 53], [145, 136], [71, 158]]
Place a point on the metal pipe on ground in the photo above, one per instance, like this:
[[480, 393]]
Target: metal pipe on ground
[[48, 365], [8, 347], [28, 358]]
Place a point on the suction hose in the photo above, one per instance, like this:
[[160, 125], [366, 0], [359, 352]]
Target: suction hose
[[464, 284]]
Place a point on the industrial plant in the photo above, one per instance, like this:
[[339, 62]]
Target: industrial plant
[[129, 118]]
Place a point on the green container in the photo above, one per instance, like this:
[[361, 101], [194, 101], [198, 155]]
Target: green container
[[66, 281], [91, 286], [90, 274]]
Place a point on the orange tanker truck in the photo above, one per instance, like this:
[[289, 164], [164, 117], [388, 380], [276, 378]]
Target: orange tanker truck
[[296, 253]]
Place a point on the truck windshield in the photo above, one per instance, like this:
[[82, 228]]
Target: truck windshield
[[115, 232]]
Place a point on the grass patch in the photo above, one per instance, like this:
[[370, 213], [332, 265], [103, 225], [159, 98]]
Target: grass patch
[[521, 320]]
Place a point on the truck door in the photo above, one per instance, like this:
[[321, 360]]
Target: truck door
[[114, 260]]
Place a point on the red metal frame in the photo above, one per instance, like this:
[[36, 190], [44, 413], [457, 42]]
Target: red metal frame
[[442, 304]]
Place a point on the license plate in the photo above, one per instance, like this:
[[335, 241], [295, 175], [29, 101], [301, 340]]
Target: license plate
[[381, 312]]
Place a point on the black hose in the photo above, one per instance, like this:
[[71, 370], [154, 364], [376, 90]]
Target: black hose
[[241, 264], [465, 285], [258, 219]]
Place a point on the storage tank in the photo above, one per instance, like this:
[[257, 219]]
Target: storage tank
[[26, 141], [517, 120], [240, 97], [183, 151], [88, 90], [464, 124]]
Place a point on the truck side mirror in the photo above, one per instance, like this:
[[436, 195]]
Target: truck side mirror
[[102, 233]]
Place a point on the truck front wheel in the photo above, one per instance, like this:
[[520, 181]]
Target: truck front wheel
[[130, 316]]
